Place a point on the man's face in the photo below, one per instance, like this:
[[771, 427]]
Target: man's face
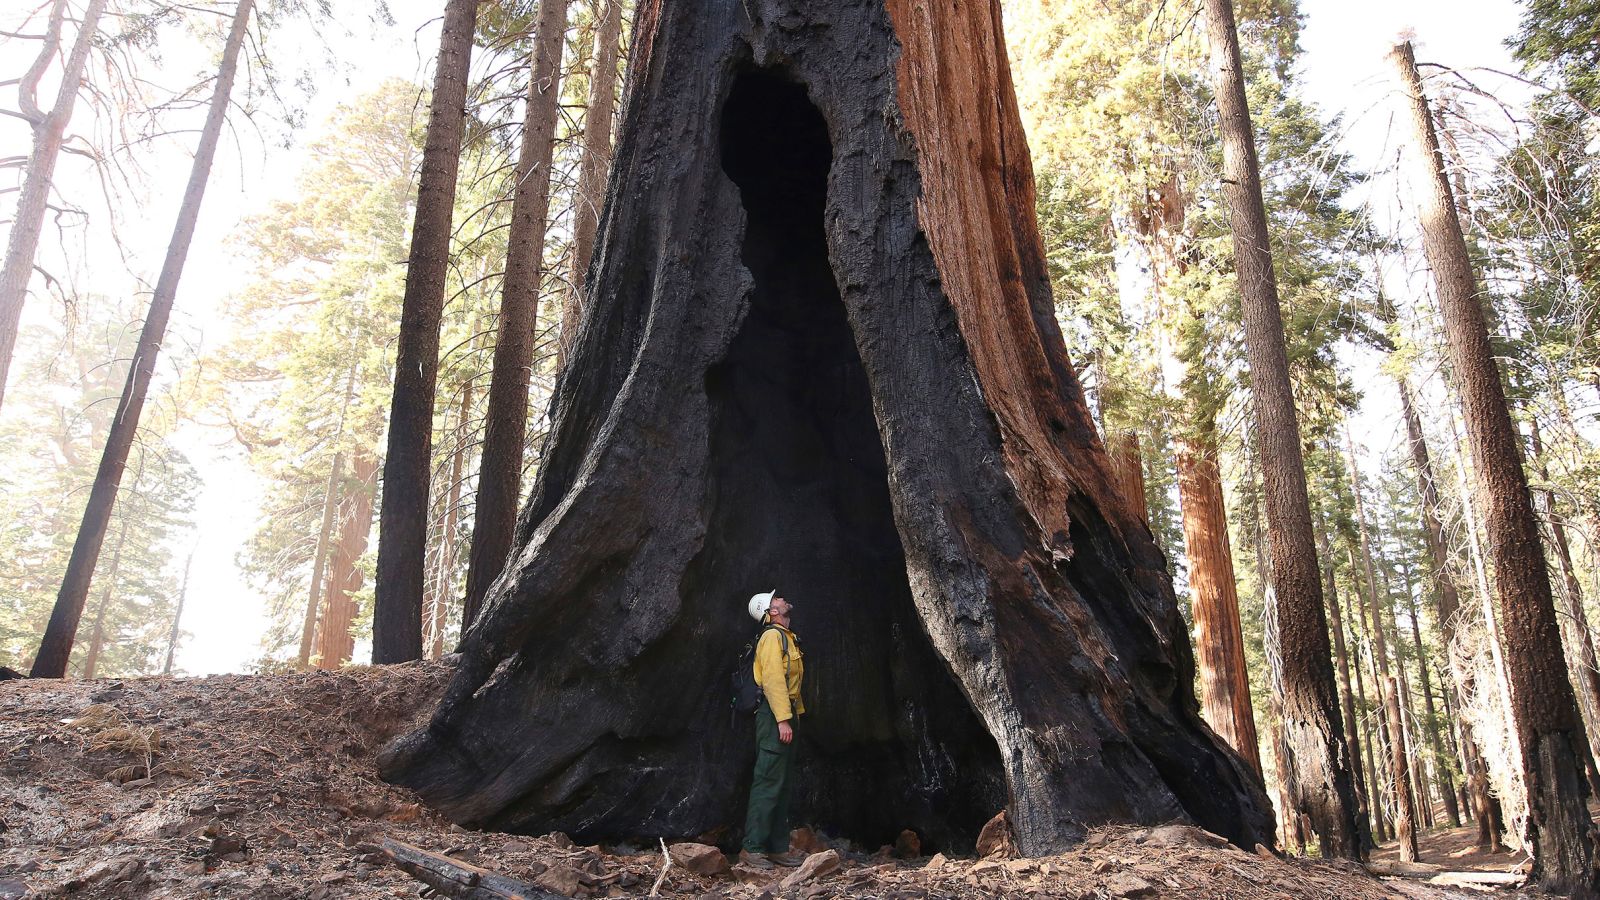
[[779, 607]]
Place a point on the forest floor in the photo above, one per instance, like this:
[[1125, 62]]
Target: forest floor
[[263, 787]]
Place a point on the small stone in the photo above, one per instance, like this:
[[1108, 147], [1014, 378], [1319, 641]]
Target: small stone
[[1127, 884], [816, 866], [1101, 866], [13, 889], [936, 862], [559, 840], [1264, 853], [908, 845], [516, 847], [995, 838], [563, 880], [701, 859], [808, 841]]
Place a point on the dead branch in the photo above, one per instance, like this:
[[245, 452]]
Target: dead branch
[[454, 878]]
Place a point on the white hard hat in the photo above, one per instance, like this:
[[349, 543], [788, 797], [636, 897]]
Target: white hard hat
[[759, 604]]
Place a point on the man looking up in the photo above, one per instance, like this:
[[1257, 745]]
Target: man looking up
[[778, 668]]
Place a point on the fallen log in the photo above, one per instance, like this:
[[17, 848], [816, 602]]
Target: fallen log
[[454, 878]]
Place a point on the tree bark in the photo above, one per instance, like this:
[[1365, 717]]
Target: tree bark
[[506, 428], [1310, 701], [1127, 468], [403, 528], [821, 355], [596, 165], [334, 642], [38, 176], [1219, 636], [1575, 622], [51, 662], [1543, 708], [1404, 814], [1447, 607], [447, 539]]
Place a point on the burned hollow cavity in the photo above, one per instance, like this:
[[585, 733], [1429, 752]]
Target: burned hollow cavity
[[799, 500]]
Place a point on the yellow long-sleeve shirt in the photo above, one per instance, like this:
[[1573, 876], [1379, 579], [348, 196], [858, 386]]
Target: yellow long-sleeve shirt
[[783, 694]]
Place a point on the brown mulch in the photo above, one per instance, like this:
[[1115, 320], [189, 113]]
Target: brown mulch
[[263, 786]]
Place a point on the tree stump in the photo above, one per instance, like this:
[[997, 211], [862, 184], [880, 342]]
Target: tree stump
[[821, 355]]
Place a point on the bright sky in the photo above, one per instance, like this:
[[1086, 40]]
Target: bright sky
[[1344, 71]]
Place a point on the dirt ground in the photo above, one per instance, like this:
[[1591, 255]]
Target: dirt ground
[[263, 787]]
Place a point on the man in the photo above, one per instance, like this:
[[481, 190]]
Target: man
[[778, 667]]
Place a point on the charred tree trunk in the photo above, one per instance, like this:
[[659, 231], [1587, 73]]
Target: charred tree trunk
[[51, 661], [1447, 609], [1543, 709], [403, 528], [596, 165], [38, 175], [334, 643], [1310, 701], [1219, 636], [506, 427], [822, 354]]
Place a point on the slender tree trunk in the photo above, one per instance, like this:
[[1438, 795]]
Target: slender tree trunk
[[1544, 710], [1342, 658], [1219, 638], [1441, 772], [452, 513], [330, 505], [1377, 746], [1393, 727], [1310, 701], [97, 636], [330, 501], [177, 616], [592, 172], [505, 432], [335, 644], [51, 661], [403, 529], [1447, 599], [33, 200]]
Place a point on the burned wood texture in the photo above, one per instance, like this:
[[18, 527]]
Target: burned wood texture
[[821, 355], [454, 878]]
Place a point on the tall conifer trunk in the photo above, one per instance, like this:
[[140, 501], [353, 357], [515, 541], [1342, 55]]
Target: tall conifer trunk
[[1447, 611], [51, 661], [1544, 710], [1311, 701], [1219, 636], [38, 174], [177, 615], [506, 428], [1347, 696], [403, 525], [97, 635]]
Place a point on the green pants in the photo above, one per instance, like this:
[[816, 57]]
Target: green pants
[[766, 825]]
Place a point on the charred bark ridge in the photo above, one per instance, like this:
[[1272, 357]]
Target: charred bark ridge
[[821, 355]]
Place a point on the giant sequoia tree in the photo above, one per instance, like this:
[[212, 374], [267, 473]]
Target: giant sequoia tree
[[820, 354]]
